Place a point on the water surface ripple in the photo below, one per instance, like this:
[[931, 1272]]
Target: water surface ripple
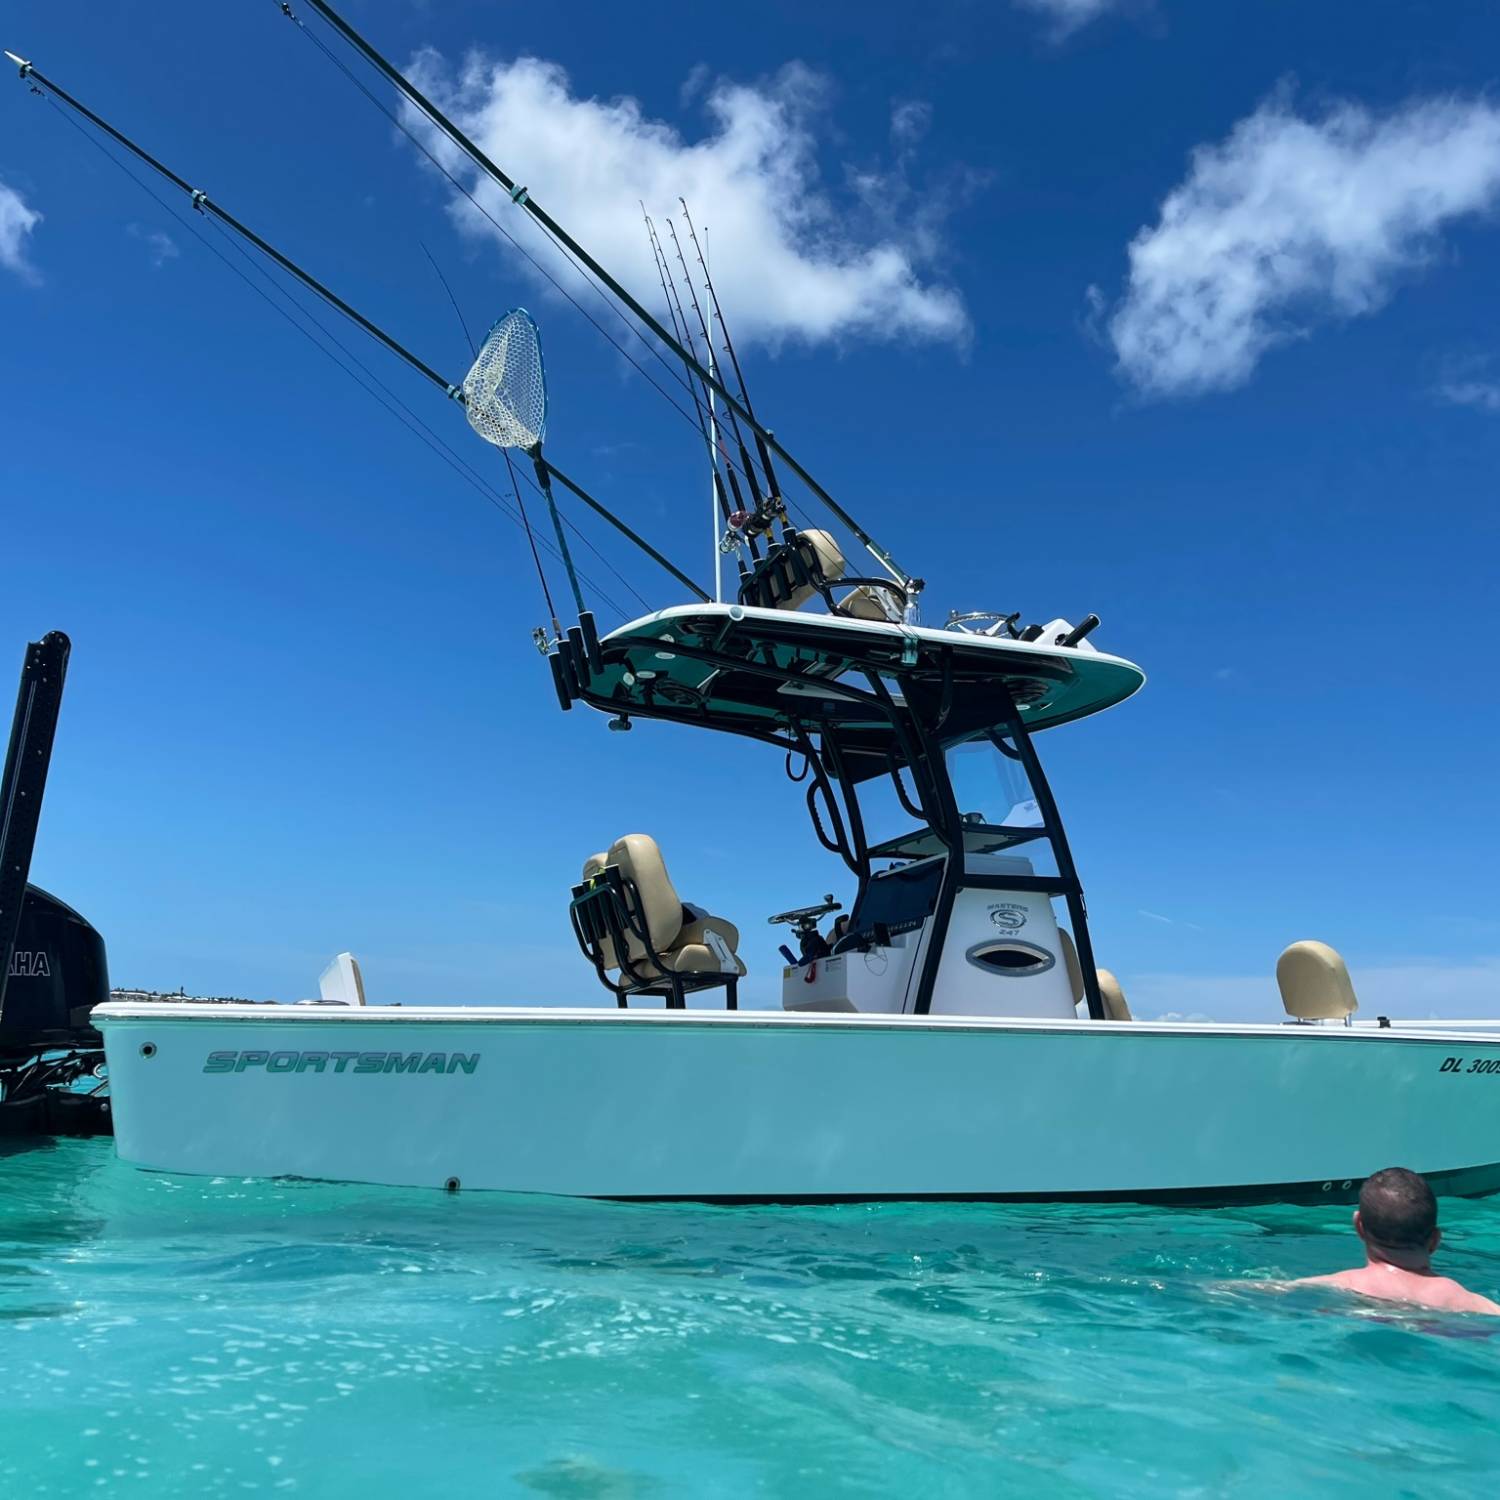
[[185, 1336]]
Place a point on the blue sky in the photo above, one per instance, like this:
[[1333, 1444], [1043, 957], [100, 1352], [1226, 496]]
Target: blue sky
[[1182, 313]]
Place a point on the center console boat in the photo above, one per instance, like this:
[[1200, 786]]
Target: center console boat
[[950, 1036]]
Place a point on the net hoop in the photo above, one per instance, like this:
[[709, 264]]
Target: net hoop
[[505, 391]]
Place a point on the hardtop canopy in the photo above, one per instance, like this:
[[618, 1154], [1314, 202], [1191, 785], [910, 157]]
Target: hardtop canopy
[[763, 672]]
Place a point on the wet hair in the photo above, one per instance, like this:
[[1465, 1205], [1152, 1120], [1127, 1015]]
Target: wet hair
[[1397, 1209]]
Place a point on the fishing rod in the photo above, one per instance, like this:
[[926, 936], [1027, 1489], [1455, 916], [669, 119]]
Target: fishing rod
[[707, 423], [680, 324], [520, 195], [740, 519], [768, 506], [205, 205], [734, 359]]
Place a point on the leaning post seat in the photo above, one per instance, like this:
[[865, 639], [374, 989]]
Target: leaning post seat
[[628, 918], [806, 564]]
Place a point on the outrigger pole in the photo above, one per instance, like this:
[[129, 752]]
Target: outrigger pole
[[521, 195], [206, 205]]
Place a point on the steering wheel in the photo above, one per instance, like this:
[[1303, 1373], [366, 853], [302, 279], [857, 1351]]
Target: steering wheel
[[805, 918]]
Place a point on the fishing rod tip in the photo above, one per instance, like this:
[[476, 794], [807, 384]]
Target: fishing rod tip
[[20, 62]]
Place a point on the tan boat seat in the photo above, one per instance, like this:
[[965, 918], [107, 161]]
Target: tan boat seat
[[1115, 1008], [1314, 983], [868, 603], [830, 559], [665, 938]]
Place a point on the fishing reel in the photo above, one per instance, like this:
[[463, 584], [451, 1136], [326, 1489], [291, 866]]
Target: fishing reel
[[745, 525]]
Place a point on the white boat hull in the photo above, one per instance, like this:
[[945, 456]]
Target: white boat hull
[[768, 1106]]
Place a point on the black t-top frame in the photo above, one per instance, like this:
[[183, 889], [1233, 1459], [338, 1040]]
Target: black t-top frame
[[853, 706]]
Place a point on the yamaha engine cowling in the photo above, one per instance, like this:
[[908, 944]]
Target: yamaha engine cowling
[[58, 974]]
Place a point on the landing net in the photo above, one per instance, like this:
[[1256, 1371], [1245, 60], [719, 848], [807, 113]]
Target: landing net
[[505, 391]]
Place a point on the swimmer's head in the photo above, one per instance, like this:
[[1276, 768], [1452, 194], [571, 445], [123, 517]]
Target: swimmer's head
[[1397, 1211]]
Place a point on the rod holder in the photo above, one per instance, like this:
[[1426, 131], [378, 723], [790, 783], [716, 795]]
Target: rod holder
[[591, 647], [567, 655], [580, 663], [560, 682], [1085, 626]]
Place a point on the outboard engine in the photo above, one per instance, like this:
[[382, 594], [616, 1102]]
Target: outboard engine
[[58, 974], [53, 970]]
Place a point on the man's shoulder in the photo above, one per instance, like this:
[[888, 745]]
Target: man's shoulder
[[1421, 1291], [1461, 1299], [1351, 1279]]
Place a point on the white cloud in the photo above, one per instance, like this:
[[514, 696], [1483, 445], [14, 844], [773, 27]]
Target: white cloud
[[1485, 394], [160, 246], [910, 121], [788, 263], [1413, 990], [1156, 916], [1291, 221], [17, 220], [1068, 15], [1469, 381]]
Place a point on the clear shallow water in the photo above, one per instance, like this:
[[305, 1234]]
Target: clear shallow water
[[180, 1336]]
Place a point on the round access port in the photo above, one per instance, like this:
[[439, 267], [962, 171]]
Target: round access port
[[452, 1185], [148, 1049], [1011, 960]]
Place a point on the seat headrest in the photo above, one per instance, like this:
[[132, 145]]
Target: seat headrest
[[1115, 1008], [594, 863], [1315, 983], [639, 860], [829, 558]]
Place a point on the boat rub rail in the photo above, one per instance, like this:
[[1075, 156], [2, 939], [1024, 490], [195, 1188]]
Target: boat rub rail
[[447, 1016]]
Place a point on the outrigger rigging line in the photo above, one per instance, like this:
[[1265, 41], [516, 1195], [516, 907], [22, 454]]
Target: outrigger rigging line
[[545, 468], [520, 195]]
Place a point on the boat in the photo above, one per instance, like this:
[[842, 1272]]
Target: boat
[[951, 1035], [931, 1046]]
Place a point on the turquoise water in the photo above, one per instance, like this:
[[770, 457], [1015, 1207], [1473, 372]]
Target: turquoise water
[[179, 1336]]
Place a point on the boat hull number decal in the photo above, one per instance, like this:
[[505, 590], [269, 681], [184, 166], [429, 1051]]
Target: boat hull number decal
[[342, 1062], [1476, 1065]]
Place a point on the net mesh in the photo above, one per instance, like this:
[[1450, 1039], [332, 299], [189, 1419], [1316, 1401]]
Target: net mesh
[[505, 391]]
